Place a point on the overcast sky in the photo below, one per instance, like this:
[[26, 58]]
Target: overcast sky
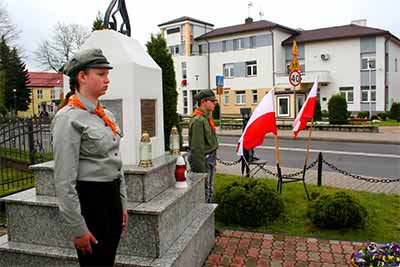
[[35, 18]]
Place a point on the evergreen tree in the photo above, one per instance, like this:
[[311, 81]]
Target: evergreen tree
[[157, 49], [16, 78], [98, 23], [3, 109]]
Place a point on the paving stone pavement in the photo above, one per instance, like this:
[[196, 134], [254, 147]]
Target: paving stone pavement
[[329, 178], [247, 249]]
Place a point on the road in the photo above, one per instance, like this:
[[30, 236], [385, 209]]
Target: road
[[376, 160]]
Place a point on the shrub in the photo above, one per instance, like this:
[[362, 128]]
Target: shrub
[[374, 117], [337, 211], [317, 112], [324, 113], [383, 115], [363, 114], [215, 113], [395, 111], [249, 202], [337, 108]]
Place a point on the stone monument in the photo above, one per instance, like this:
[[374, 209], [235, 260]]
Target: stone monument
[[167, 226]]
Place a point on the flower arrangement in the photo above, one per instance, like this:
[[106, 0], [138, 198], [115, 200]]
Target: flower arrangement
[[373, 255]]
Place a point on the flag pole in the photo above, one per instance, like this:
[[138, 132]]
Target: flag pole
[[279, 185], [307, 156]]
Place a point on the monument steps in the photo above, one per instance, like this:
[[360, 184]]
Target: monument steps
[[190, 249]]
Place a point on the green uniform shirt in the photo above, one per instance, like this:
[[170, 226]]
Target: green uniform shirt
[[201, 141], [84, 150]]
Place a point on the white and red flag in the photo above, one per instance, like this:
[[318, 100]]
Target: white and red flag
[[307, 111], [261, 122]]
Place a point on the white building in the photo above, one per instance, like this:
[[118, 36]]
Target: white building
[[355, 60]]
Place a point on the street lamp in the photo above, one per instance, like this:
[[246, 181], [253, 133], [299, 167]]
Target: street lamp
[[15, 102]]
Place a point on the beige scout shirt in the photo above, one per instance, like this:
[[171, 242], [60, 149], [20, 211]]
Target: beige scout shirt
[[84, 150]]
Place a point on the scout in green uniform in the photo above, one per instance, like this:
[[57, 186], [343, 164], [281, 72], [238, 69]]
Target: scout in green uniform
[[203, 140], [88, 174]]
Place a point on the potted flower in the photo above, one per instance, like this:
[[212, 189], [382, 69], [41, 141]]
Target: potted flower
[[377, 256]]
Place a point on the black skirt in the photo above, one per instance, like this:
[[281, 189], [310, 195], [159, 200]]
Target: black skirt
[[101, 207]]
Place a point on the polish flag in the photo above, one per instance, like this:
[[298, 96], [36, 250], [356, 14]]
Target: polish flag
[[307, 110], [261, 122]]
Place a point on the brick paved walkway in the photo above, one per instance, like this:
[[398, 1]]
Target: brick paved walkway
[[239, 249]]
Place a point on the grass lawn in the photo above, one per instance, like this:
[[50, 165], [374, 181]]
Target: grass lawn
[[23, 156], [15, 181], [383, 224], [387, 123]]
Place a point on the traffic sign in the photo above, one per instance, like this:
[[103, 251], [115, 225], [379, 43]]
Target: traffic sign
[[219, 80], [295, 78]]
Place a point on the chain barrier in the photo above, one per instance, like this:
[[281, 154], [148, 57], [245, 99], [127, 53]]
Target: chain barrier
[[359, 177], [291, 175], [228, 163]]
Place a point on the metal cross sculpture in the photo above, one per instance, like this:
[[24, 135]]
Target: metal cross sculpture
[[125, 26]]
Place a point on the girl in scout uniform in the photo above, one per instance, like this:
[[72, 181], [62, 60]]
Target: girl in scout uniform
[[87, 165]]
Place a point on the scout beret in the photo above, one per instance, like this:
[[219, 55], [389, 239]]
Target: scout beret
[[206, 94], [88, 58]]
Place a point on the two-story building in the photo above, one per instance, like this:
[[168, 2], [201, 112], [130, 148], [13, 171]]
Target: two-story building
[[357, 61], [47, 91]]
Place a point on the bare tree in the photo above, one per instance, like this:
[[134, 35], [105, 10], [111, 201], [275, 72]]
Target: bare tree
[[7, 29], [63, 43]]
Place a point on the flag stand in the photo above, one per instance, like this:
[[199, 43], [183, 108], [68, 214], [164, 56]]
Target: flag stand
[[278, 167], [283, 180]]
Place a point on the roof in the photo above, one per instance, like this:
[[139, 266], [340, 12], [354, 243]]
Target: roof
[[337, 32], [183, 19], [245, 27], [45, 79]]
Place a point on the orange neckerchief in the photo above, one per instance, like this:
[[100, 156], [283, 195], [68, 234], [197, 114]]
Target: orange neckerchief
[[210, 120], [99, 111]]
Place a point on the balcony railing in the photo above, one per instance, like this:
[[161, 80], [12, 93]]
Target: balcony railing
[[307, 77]]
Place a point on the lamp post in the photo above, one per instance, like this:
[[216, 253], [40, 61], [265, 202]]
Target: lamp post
[[15, 102]]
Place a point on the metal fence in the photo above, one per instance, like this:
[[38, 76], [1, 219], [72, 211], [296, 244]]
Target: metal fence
[[23, 142]]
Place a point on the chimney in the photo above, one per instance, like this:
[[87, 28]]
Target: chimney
[[248, 20], [360, 22]]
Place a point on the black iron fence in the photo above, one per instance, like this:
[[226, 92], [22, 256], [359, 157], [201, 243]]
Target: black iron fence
[[23, 142]]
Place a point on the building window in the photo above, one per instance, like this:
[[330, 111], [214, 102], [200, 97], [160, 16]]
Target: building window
[[347, 93], [228, 70], [300, 102], [223, 46], [226, 97], [252, 42], [176, 49], [52, 94], [200, 49], [238, 44], [254, 96], [184, 70], [395, 65], [173, 30], [240, 97], [368, 63], [39, 93], [251, 68], [367, 95], [283, 106]]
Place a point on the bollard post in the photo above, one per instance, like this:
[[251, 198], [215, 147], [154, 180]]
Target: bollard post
[[319, 176]]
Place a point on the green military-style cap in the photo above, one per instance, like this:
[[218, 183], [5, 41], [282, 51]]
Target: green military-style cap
[[205, 94], [88, 58]]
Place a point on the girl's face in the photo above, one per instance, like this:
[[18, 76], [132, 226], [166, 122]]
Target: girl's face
[[93, 82]]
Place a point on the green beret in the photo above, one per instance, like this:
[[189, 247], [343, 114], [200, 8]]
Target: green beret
[[88, 58], [206, 94]]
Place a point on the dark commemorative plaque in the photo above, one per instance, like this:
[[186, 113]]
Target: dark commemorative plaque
[[148, 116]]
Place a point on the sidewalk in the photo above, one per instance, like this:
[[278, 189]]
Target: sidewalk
[[386, 135], [238, 249]]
